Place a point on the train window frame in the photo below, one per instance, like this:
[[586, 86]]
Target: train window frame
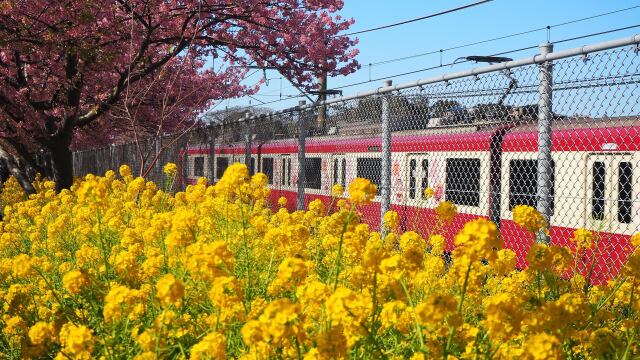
[[417, 177], [475, 193], [285, 175], [270, 175], [621, 185], [313, 167], [532, 182], [338, 169], [600, 187], [283, 171], [218, 168], [627, 217], [424, 179], [413, 168], [378, 163], [198, 166], [343, 178]]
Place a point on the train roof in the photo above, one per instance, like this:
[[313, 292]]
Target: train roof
[[569, 134]]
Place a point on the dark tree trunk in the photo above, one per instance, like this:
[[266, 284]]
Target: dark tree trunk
[[62, 159], [11, 166]]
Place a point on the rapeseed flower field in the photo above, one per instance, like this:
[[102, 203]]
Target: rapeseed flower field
[[117, 268]]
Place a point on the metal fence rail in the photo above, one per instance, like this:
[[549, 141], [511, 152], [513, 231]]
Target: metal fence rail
[[559, 131]]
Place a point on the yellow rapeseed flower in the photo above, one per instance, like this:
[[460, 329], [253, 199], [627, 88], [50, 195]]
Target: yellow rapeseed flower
[[391, 219], [170, 169], [41, 332], [362, 191], [124, 171], [446, 211], [74, 281], [478, 239], [438, 243], [583, 238], [337, 190], [76, 341], [170, 290], [212, 346], [542, 346], [529, 218]]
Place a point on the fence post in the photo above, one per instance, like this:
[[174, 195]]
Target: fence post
[[158, 166], [545, 122], [247, 145], [302, 130], [112, 165], [185, 166], [212, 153], [385, 176]]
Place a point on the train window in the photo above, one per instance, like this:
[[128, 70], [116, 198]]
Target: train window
[[285, 179], [335, 172], [344, 173], [222, 163], [283, 172], [412, 179], [463, 181], [625, 172], [370, 168], [312, 173], [198, 166], [425, 176], [267, 168], [523, 183], [598, 192]]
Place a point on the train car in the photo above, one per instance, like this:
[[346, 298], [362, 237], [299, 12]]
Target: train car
[[484, 170]]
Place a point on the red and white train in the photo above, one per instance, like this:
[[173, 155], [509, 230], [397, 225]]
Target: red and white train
[[485, 171]]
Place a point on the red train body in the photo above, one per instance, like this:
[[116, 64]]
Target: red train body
[[498, 156]]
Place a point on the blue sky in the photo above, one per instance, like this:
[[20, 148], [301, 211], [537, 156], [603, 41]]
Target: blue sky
[[490, 20]]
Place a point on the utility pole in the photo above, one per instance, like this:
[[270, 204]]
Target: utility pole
[[545, 125], [322, 96], [302, 133]]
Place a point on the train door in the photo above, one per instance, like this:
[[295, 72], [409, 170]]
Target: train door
[[267, 166], [612, 192], [417, 179], [284, 171], [339, 170]]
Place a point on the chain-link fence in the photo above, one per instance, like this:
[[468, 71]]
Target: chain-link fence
[[559, 131]]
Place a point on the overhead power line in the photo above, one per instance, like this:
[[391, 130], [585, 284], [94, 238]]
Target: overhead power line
[[432, 52], [501, 53], [416, 19], [466, 61], [389, 61], [597, 33]]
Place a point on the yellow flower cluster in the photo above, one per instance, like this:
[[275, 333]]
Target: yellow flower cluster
[[361, 191], [446, 211], [117, 268], [529, 218], [170, 169], [337, 190], [583, 238], [391, 219]]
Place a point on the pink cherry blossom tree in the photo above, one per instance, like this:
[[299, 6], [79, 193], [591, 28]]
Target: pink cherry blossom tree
[[69, 69]]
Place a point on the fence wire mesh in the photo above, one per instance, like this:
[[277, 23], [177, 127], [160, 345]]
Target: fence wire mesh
[[473, 141]]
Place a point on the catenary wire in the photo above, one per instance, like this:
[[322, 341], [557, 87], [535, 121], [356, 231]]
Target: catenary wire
[[415, 19]]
